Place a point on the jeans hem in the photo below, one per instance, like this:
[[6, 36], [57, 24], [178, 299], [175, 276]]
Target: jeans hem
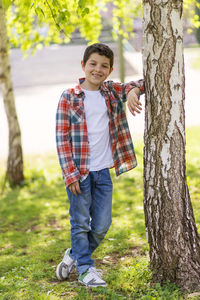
[[84, 269]]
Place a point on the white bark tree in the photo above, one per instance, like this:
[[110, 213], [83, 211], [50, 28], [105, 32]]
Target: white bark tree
[[171, 230], [15, 157], [25, 17]]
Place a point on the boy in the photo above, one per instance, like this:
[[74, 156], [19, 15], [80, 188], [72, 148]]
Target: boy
[[92, 136]]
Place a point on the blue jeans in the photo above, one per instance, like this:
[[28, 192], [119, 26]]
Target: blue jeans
[[90, 217]]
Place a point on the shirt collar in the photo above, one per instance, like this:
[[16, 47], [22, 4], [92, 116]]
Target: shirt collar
[[78, 89]]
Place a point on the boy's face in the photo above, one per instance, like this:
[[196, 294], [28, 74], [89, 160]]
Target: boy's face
[[97, 69]]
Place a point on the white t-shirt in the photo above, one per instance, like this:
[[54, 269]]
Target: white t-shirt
[[97, 120]]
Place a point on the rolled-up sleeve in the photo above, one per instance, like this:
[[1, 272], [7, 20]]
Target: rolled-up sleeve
[[123, 89]]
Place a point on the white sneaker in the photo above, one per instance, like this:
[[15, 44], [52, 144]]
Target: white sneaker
[[65, 267], [92, 278]]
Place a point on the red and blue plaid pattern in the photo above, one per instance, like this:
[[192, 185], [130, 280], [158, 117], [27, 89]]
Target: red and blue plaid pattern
[[71, 130]]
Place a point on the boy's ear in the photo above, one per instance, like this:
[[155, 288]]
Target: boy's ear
[[111, 70], [82, 65]]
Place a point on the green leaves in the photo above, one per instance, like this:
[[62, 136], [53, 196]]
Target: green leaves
[[85, 11], [6, 4], [39, 11], [124, 12], [56, 20], [40, 22], [190, 14], [81, 3]]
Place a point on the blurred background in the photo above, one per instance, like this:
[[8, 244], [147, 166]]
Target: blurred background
[[40, 79], [34, 222]]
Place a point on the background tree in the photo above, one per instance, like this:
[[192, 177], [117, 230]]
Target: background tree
[[173, 238], [124, 13], [197, 31], [172, 233], [34, 24], [15, 158], [22, 21]]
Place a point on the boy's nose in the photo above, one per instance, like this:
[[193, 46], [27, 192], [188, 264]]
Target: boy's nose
[[98, 68]]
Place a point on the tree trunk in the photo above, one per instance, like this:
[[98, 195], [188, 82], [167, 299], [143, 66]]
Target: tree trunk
[[15, 158], [171, 230], [121, 54]]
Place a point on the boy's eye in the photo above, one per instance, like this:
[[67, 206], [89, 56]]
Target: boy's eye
[[105, 66]]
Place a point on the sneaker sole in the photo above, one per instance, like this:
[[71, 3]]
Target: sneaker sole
[[102, 285]]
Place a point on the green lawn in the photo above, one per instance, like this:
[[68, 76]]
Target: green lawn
[[35, 231]]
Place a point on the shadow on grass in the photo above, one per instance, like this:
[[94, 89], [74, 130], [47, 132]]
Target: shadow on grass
[[28, 220], [128, 212], [35, 231]]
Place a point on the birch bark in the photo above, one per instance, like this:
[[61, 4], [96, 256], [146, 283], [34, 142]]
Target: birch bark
[[15, 159], [171, 230]]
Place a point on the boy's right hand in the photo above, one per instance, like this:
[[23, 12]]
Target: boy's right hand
[[74, 188], [133, 102]]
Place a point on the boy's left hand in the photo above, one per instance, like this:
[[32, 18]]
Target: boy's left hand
[[133, 102]]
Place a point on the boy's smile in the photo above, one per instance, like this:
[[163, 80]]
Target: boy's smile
[[97, 69]]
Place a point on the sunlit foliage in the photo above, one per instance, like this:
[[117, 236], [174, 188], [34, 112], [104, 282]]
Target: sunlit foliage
[[34, 23]]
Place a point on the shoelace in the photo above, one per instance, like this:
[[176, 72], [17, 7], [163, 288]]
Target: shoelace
[[97, 271]]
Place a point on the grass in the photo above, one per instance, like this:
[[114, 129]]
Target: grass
[[35, 231]]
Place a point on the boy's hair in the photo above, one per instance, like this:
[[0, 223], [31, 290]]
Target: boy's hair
[[101, 49]]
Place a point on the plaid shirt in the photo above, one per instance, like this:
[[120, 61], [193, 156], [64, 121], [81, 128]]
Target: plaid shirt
[[71, 130]]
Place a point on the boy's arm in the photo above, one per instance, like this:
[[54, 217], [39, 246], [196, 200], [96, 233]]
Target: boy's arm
[[133, 101], [63, 142], [130, 92], [123, 89], [138, 86]]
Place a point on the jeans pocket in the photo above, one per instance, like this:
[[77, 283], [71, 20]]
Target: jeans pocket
[[85, 184], [105, 177]]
